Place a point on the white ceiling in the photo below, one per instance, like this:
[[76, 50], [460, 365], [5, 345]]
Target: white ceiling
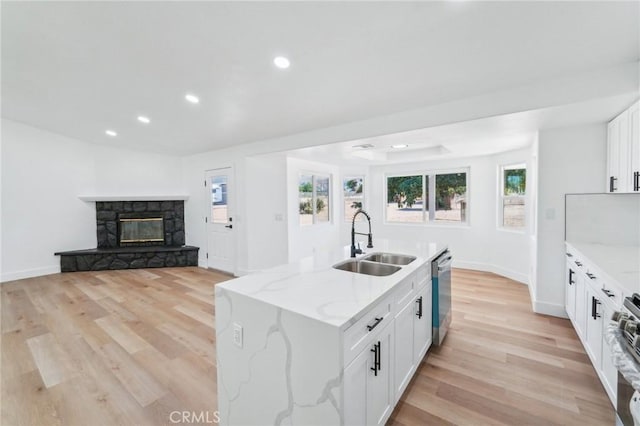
[[485, 136], [79, 68]]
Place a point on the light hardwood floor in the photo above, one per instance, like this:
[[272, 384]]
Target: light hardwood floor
[[131, 347]]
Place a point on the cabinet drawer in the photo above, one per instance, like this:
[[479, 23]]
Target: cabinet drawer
[[366, 328], [611, 293], [602, 286], [404, 292], [423, 274]]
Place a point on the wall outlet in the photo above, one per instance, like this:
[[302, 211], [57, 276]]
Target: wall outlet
[[237, 334], [279, 217]]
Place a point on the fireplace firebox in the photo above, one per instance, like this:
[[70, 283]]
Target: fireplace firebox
[[140, 228]]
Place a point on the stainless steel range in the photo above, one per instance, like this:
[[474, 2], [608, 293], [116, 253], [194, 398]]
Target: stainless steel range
[[627, 320], [628, 399]]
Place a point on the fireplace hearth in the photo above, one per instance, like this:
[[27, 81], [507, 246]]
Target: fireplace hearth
[[135, 234]]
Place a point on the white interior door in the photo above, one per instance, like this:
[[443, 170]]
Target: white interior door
[[220, 233]]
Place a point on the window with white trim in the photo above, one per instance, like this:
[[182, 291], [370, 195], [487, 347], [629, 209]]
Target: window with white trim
[[314, 195], [353, 196], [434, 197], [513, 185]]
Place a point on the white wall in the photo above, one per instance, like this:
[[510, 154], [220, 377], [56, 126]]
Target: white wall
[[267, 218], [479, 244], [570, 160], [42, 176]]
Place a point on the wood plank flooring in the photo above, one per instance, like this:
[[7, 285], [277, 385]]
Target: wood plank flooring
[[503, 364], [131, 347]]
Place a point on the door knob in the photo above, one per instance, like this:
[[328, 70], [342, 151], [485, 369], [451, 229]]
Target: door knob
[[229, 226]]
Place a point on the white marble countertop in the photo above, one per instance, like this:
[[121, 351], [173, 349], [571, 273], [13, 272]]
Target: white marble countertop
[[313, 288], [621, 263]]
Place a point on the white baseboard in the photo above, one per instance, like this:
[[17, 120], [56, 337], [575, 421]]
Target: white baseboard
[[547, 308], [485, 267], [532, 295], [29, 273], [202, 263]]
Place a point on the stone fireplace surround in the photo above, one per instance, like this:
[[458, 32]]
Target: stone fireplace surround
[[110, 255]]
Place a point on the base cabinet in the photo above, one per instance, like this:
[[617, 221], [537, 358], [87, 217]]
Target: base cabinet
[[570, 290], [609, 371], [404, 353], [368, 383], [581, 303], [388, 356], [594, 301], [422, 333], [413, 337], [594, 327]]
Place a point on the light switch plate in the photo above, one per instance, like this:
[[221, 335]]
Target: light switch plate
[[237, 334]]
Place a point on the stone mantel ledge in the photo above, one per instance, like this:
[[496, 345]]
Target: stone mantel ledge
[[133, 197]]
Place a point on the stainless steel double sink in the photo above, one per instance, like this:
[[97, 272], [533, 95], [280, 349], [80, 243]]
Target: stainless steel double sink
[[376, 264]]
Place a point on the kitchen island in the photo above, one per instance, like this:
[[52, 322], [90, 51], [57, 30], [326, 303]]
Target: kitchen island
[[304, 343]]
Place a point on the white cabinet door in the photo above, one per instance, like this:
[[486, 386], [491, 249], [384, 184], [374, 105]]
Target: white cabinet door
[[621, 151], [368, 387], [594, 327], [613, 150], [422, 331], [624, 160], [570, 291], [380, 398], [581, 304], [355, 389], [609, 371], [403, 359], [634, 147]]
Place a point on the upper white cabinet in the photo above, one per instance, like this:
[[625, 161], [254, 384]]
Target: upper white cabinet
[[634, 150], [623, 151]]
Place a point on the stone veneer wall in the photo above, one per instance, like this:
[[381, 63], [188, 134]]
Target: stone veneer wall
[[107, 220]]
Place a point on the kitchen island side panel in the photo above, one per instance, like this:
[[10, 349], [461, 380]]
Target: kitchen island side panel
[[288, 370]]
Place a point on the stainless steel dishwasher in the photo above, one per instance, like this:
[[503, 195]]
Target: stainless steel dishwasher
[[441, 284]]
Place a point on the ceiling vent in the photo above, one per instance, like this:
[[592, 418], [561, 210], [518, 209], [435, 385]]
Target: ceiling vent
[[363, 146]]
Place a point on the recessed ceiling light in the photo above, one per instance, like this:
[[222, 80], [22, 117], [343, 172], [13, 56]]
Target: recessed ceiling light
[[111, 133], [143, 119], [399, 146], [281, 62], [192, 98]]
